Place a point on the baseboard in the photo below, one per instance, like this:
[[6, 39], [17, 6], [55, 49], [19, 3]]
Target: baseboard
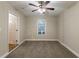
[[75, 53], [41, 39], [6, 54], [3, 56]]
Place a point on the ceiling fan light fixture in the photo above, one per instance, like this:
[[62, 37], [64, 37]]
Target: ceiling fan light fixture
[[41, 10], [42, 6]]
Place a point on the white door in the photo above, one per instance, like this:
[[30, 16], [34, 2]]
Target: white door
[[12, 30]]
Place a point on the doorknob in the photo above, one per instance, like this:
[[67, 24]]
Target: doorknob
[[16, 30], [16, 40]]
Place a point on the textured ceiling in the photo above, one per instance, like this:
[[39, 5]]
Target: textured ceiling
[[23, 7]]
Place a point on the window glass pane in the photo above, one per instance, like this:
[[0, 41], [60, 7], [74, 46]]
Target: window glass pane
[[41, 27]]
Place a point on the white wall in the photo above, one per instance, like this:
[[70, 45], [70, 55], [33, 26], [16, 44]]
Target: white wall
[[69, 28], [4, 11], [31, 27], [3, 29]]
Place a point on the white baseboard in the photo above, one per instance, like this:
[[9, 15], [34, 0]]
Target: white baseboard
[[75, 53], [41, 39], [17, 46], [3, 56], [6, 54]]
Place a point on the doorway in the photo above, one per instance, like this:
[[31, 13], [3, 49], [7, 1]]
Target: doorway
[[12, 31]]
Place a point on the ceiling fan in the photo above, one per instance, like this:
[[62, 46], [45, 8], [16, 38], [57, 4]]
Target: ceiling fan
[[42, 6]]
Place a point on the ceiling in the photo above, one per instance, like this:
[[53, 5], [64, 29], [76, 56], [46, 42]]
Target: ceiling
[[23, 7]]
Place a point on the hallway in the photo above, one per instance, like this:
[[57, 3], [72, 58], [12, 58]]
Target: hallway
[[41, 49]]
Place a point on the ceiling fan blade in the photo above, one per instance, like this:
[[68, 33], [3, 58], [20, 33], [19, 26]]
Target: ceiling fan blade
[[47, 2], [50, 8], [32, 4], [34, 10]]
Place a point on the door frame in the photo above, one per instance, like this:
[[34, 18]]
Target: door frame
[[17, 36]]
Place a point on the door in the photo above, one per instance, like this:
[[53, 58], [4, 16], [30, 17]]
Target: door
[[12, 31]]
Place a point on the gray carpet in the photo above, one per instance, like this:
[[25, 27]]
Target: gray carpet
[[41, 49]]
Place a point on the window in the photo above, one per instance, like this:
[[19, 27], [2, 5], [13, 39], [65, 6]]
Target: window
[[41, 27]]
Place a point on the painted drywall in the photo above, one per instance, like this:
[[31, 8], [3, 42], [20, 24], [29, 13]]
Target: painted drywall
[[31, 31], [5, 8], [3, 28], [69, 27]]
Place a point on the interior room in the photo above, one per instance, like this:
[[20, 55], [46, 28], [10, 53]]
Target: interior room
[[39, 29]]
